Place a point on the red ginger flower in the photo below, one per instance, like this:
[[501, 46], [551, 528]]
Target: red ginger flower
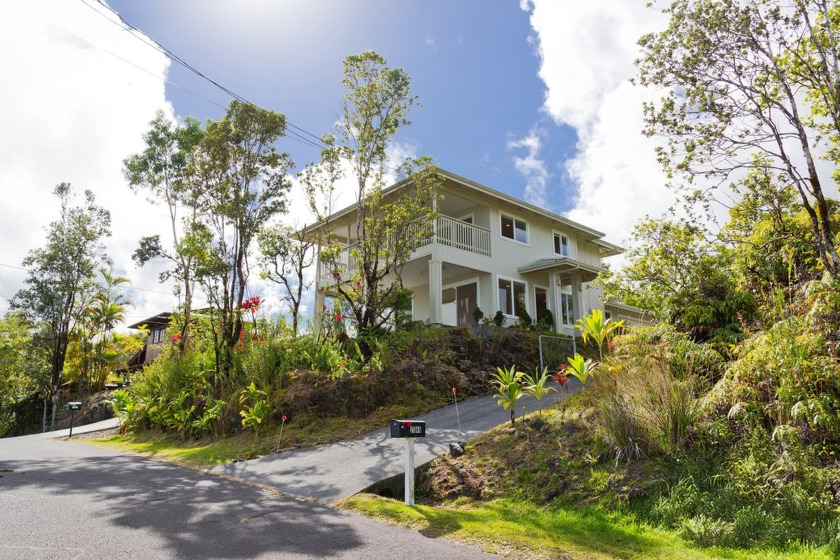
[[252, 304]]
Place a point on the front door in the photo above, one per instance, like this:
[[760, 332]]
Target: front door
[[467, 298]]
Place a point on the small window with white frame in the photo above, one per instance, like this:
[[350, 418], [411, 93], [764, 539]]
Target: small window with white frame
[[561, 244], [515, 229]]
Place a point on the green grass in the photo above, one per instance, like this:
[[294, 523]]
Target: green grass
[[304, 431], [519, 529], [195, 454]]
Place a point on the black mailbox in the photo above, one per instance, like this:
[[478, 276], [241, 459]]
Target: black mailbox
[[408, 428], [74, 405]]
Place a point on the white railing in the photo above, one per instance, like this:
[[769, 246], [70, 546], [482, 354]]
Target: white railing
[[446, 231], [462, 235]]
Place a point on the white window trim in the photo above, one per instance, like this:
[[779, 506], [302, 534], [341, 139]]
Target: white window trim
[[475, 280], [514, 217], [568, 243], [547, 301], [471, 216], [499, 303], [571, 296]]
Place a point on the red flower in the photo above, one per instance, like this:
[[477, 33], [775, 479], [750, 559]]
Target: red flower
[[560, 378], [454, 390], [283, 418], [176, 337], [325, 307], [339, 317], [252, 304]]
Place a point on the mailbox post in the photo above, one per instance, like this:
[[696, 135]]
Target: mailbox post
[[408, 429], [73, 406]]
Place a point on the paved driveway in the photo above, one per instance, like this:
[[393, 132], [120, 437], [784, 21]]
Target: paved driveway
[[61, 500], [328, 473]]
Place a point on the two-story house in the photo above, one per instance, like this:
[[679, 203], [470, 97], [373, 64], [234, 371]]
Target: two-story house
[[492, 251]]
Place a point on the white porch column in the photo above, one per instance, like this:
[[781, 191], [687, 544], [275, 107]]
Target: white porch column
[[553, 280], [577, 298], [435, 291]]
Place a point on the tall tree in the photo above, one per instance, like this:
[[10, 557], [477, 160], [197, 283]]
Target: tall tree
[[286, 254], [161, 169], [60, 276], [95, 350], [684, 279], [241, 181], [24, 367], [752, 84], [376, 103]]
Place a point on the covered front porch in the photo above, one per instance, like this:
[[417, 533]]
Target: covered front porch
[[561, 284]]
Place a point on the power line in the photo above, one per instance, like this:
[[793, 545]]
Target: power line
[[146, 39], [151, 42]]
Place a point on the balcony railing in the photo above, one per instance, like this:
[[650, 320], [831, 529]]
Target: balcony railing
[[462, 235], [446, 231]]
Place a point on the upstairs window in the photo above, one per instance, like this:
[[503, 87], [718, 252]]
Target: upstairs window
[[514, 229], [561, 245]]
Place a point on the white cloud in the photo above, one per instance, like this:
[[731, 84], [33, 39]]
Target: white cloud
[[73, 112], [531, 166], [587, 50]]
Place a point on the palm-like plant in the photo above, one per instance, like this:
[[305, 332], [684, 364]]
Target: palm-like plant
[[536, 385], [103, 312], [508, 382], [599, 329], [581, 367]]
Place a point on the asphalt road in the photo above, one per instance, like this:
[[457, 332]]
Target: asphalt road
[[61, 500]]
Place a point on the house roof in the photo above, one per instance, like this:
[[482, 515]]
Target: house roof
[[607, 249], [624, 307], [161, 319], [562, 265]]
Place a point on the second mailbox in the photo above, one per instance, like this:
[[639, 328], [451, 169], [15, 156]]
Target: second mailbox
[[408, 428]]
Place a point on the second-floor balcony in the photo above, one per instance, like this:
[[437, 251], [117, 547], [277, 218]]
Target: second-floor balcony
[[444, 231]]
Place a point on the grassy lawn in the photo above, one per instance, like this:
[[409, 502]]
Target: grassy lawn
[[305, 431], [522, 530]]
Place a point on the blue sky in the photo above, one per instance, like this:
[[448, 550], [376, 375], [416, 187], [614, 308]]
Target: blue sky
[[471, 63], [532, 98]]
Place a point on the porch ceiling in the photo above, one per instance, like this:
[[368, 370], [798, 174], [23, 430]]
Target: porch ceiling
[[562, 265], [416, 272]]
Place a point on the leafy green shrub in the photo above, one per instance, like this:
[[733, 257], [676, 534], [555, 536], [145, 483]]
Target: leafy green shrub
[[708, 531], [525, 321], [255, 407], [499, 318], [478, 315]]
